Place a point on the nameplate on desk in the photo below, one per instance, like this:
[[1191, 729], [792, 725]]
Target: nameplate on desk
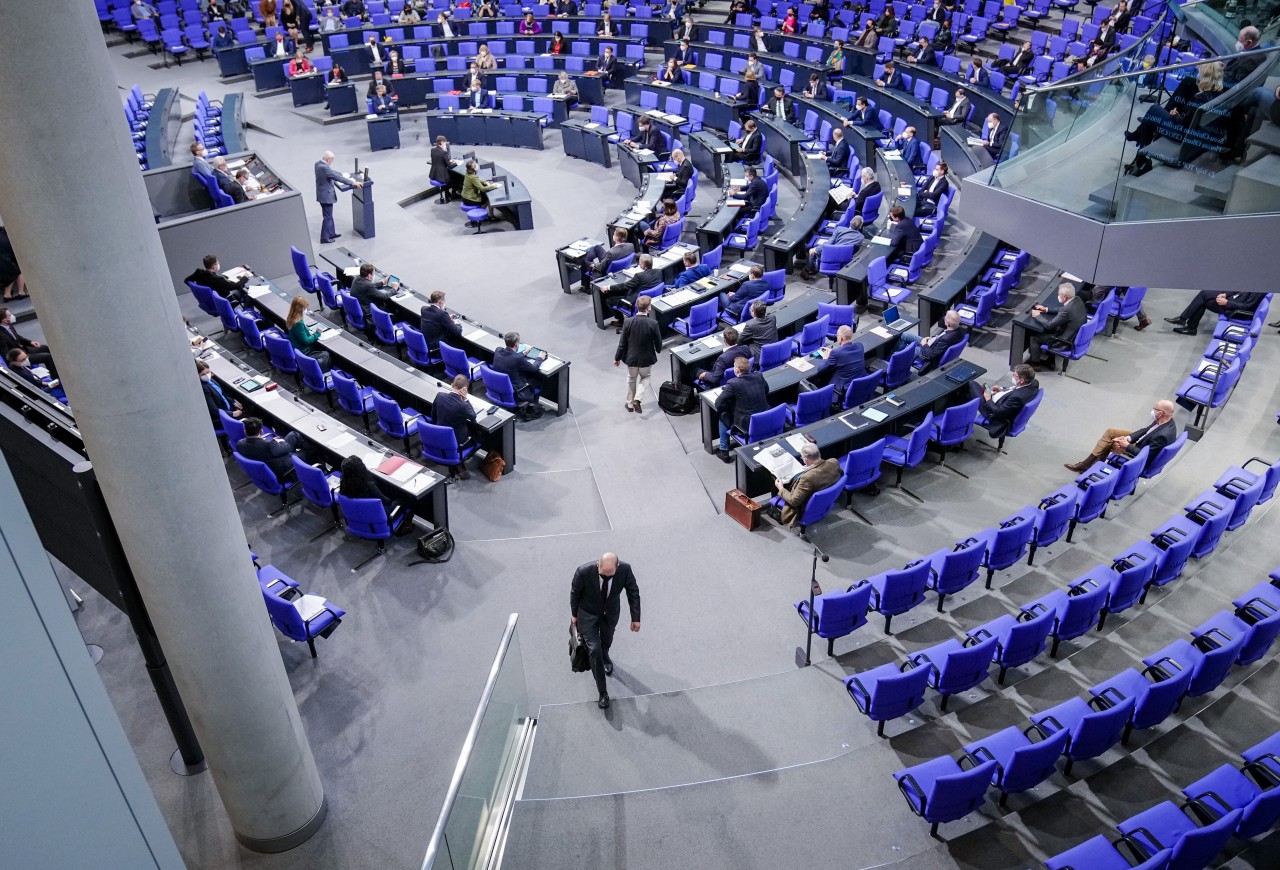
[[342, 441], [258, 290], [875, 415]]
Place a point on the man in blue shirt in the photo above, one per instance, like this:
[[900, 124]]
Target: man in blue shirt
[[752, 289], [693, 270]]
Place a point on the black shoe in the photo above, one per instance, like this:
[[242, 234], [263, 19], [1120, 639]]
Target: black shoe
[[725, 456], [603, 703], [1185, 330], [336, 236], [608, 669], [1275, 324], [1176, 321]]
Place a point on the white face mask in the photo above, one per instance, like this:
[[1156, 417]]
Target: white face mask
[[1154, 415], [206, 377], [1239, 45]]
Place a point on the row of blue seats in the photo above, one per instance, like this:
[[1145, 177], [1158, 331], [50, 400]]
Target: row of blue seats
[[137, 113], [1241, 801], [947, 788], [1215, 377]]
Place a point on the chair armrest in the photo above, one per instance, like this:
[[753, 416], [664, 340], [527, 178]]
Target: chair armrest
[[1256, 611], [1049, 501], [1262, 773], [1051, 722], [969, 761], [1200, 805], [1138, 847], [976, 636], [859, 585], [1040, 732], [1203, 510], [911, 791], [1245, 464], [307, 622], [1156, 668], [912, 564], [981, 754], [1203, 388], [1083, 587], [1034, 610], [1206, 642], [1113, 692], [1025, 616]]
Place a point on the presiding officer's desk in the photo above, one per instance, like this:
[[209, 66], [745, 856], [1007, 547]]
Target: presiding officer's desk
[[515, 201], [837, 435], [669, 263], [331, 441], [784, 381], [487, 127], [407, 384], [477, 340], [789, 315], [781, 248], [851, 282]]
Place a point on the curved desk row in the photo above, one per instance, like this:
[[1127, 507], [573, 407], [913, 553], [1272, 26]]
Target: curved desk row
[[720, 221], [330, 440], [372, 367], [233, 123], [577, 29], [479, 341], [669, 262], [488, 127], [774, 64], [851, 283], [587, 140], [719, 110], [162, 128], [781, 248]]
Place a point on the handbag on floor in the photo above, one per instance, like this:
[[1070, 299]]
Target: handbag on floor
[[436, 546], [493, 465], [677, 399]]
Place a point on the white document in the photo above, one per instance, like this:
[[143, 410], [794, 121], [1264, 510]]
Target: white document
[[893, 153], [405, 471], [711, 341], [257, 290], [680, 297], [372, 460], [591, 125], [309, 606], [239, 271], [874, 414], [342, 441], [475, 335], [800, 364], [881, 331], [329, 332], [796, 440], [880, 240], [779, 462]]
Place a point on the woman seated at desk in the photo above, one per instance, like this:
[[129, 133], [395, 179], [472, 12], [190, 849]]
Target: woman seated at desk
[[476, 192], [791, 22], [653, 234], [487, 10], [358, 482], [559, 45], [300, 65], [529, 26], [750, 93], [485, 61], [338, 76], [567, 88], [671, 73], [305, 339]]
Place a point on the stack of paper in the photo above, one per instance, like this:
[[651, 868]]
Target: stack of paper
[[881, 331], [342, 441], [880, 240], [257, 290], [801, 364], [874, 414], [310, 606], [779, 462], [711, 341]]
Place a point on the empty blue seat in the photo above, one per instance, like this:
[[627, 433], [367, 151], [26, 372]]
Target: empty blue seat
[[1209, 658], [861, 468], [889, 691], [1098, 853], [897, 592], [1244, 489], [810, 406], [1075, 609], [954, 427], [1165, 826], [1022, 763], [942, 790], [951, 571], [1212, 511], [1161, 459], [957, 665], [1019, 638], [908, 452], [1258, 610], [289, 620], [1006, 543], [837, 614], [1055, 513], [353, 398], [318, 487], [1228, 789], [1097, 486], [1174, 539], [1157, 692], [394, 421], [1095, 725], [368, 518]]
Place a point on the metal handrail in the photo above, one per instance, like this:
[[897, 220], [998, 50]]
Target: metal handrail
[[455, 784], [1057, 86]]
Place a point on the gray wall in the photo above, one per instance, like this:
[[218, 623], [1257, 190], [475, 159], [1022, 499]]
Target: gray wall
[[71, 791]]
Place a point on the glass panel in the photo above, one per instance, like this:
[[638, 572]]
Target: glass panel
[[490, 770], [1124, 143]]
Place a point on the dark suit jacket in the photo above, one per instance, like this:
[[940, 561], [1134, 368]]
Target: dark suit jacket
[[904, 238], [751, 145], [757, 332], [935, 189], [838, 158], [1000, 415], [215, 403], [997, 140], [373, 88], [743, 396], [365, 292], [633, 287], [961, 110], [585, 602], [605, 66], [756, 194], [438, 326], [784, 108], [222, 286], [870, 189], [849, 362], [745, 295], [230, 187], [862, 117], [651, 139], [684, 174], [617, 252], [516, 366], [269, 450], [1067, 322], [1107, 36], [1021, 62], [1154, 437], [641, 342], [713, 376], [450, 409], [931, 354], [894, 81], [978, 77], [384, 105], [439, 165], [383, 53], [684, 57], [936, 13], [910, 149], [395, 67], [797, 491]]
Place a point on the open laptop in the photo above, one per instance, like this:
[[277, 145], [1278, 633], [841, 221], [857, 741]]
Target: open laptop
[[893, 322]]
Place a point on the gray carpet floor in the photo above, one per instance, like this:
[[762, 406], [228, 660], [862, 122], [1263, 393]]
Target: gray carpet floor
[[388, 702]]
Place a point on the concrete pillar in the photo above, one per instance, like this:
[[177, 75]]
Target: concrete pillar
[[80, 221]]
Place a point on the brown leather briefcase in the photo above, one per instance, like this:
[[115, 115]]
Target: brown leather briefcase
[[742, 509]]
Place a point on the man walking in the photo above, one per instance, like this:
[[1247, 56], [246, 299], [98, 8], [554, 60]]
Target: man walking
[[328, 182], [595, 605], [639, 347]]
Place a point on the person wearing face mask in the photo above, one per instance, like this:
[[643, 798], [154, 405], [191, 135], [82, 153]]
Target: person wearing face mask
[[1000, 406], [927, 198], [1058, 328], [11, 340], [216, 400], [20, 364], [1155, 436]]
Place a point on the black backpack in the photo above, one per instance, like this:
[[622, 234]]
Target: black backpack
[[677, 399]]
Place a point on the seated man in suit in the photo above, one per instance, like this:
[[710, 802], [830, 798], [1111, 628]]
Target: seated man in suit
[[1230, 304], [606, 66], [208, 275], [781, 105], [977, 74], [870, 187], [686, 56], [958, 112], [756, 193], [383, 103], [645, 279], [862, 115], [922, 53], [214, 399], [1155, 436], [753, 288], [846, 360], [838, 156], [475, 97], [996, 134], [927, 197], [693, 270], [744, 395], [437, 324], [10, 339], [646, 137], [1001, 406], [1060, 329], [365, 290], [909, 146], [904, 235], [454, 410], [522, 371], [751, 145], [817, 474], [679, 183], [380, 81], [930, 349], [714, 376], [275, 452], [840, 236], [226, 183], [891, 78], [1018, 64], [760, 330], [596, 260]]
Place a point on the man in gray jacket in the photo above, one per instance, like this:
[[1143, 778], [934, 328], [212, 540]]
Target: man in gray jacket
[[328, 182]]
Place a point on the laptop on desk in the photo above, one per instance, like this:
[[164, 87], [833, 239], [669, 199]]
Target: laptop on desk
[[964, 371], [893, 322]]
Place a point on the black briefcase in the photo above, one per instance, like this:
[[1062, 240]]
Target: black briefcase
[[579, 658], [677, 399]]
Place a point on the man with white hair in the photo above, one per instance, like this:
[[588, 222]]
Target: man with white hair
[[1155, 436], [595, 605], [817, 474], [930, 348], [1060, 329], [328, 182]]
